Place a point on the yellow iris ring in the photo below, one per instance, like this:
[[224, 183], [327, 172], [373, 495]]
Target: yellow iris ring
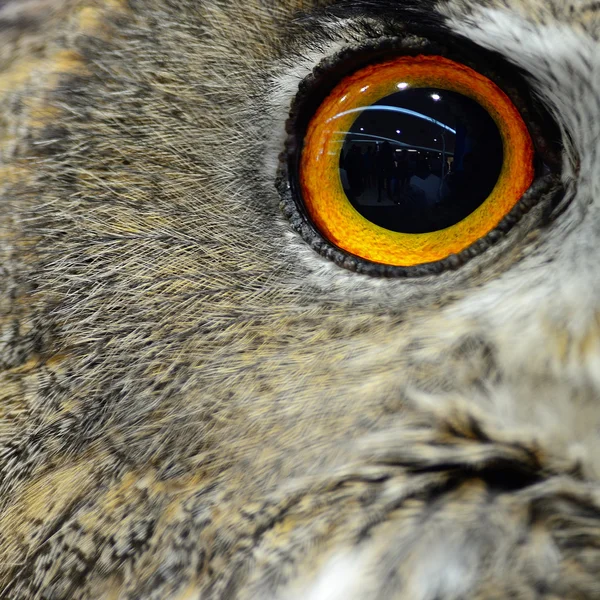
[[322, 190]]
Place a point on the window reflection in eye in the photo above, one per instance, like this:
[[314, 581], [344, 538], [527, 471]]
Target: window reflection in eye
[[420, 159]]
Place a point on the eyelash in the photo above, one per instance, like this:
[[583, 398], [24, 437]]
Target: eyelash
[[314, 89]]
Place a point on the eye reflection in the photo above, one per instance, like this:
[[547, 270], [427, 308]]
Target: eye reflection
[[419, 160]]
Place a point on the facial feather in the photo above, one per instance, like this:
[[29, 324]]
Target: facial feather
[[197, 404]]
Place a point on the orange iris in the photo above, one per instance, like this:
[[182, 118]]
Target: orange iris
[[322, 189]]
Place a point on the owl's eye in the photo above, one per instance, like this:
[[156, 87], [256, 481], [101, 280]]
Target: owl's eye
[[413, 159]]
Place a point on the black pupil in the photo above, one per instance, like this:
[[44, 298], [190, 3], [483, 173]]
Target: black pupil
[[420, 160]]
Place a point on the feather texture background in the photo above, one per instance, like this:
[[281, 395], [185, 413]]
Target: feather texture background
[[195, 404]]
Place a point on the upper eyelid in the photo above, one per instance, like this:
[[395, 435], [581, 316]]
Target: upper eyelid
[[288, 72]]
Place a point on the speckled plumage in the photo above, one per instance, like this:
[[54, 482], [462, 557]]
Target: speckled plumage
[[195, 404]]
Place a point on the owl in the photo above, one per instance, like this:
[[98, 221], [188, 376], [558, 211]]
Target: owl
[[299, 299]]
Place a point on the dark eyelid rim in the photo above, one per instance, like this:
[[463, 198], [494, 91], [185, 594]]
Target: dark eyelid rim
[[327, 75]]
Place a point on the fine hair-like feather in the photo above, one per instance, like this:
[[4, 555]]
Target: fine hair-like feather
[[195, 404]]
